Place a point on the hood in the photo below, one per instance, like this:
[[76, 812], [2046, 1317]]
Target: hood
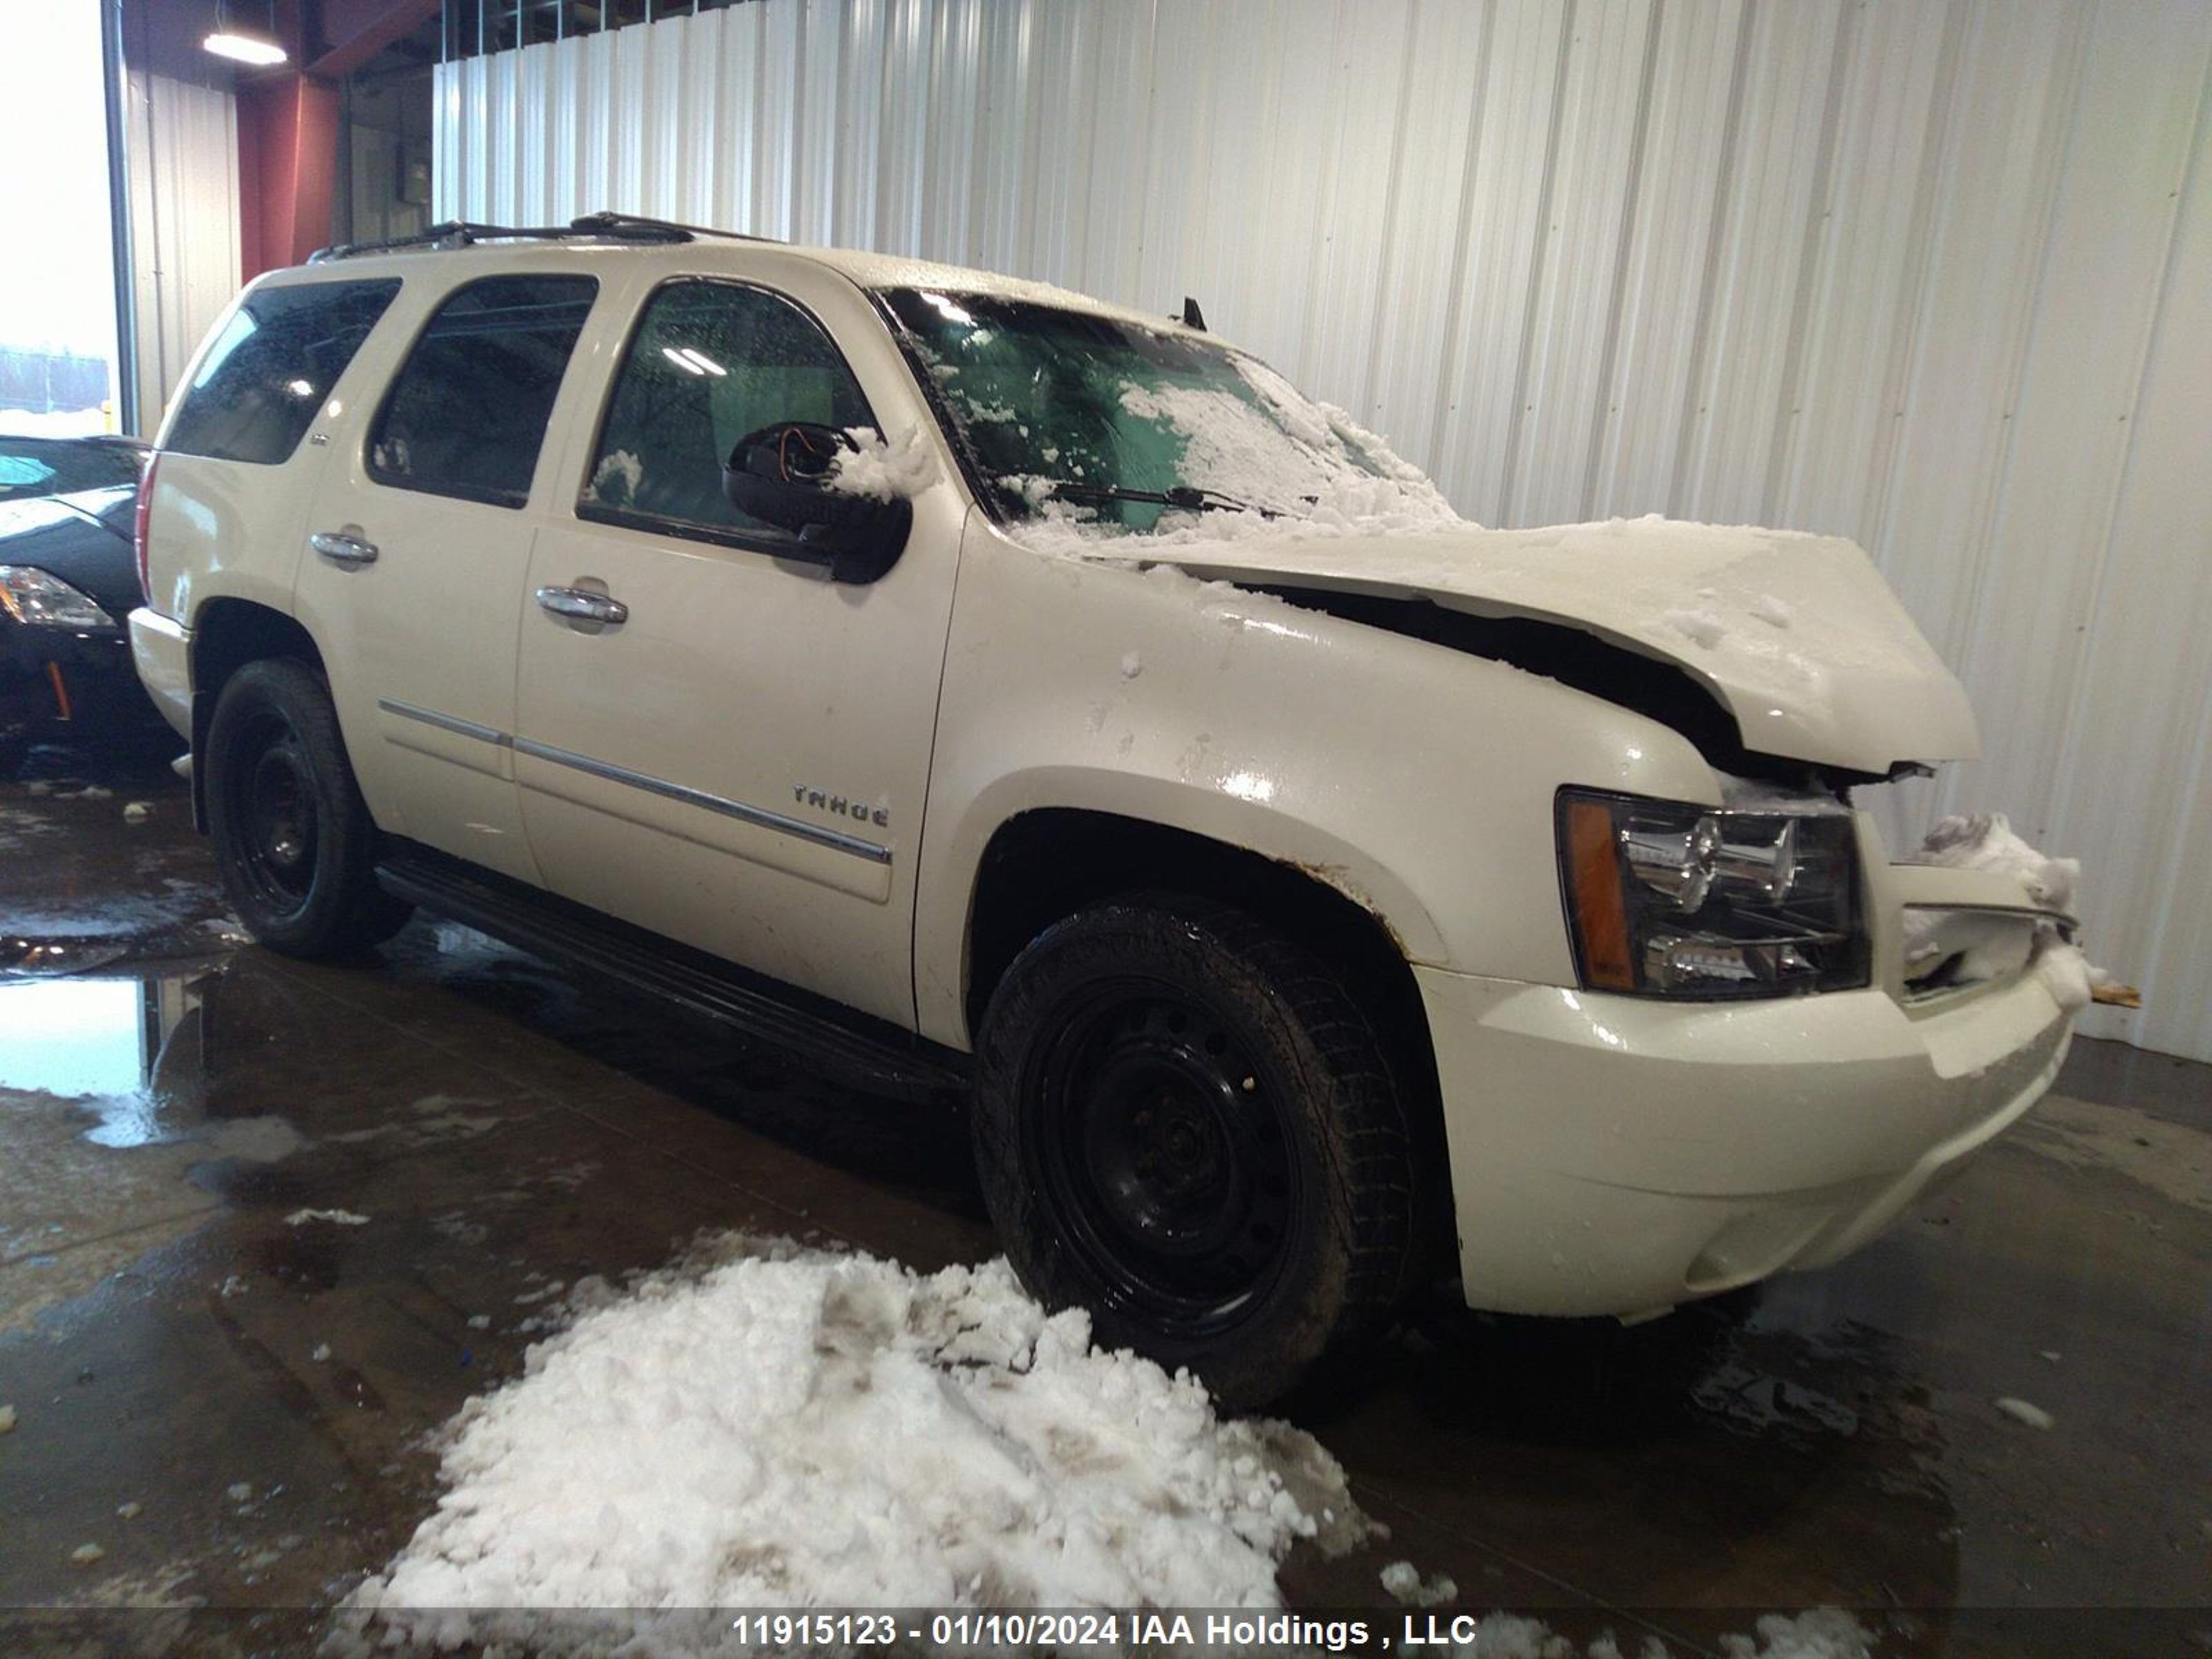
[[83, 538], [1797, 636]]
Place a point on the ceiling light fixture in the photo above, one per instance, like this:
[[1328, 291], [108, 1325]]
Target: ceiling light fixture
[[244, 46]]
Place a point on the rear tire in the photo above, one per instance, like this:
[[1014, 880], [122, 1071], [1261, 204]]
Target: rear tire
[[1185, 1124], [293, 838]]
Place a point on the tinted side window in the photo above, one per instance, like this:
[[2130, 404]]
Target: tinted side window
[[710, 362], [274, 363], [466, 413]]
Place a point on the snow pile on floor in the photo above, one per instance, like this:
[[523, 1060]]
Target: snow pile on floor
[[793, 1427], [904, 466], [1404, 1581], [1987, 841]]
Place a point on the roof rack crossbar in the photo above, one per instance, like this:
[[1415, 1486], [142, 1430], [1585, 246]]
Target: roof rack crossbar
[[460, 234]]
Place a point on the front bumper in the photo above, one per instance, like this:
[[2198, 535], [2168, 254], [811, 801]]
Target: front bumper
[[1617, 1155], [58, 684]]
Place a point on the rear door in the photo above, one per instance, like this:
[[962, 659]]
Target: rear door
[[242, 450], [418, 548]]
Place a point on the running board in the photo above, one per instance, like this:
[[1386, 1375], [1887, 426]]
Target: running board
[[835, 1042]]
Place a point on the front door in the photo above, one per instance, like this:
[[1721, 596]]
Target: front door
[[739, 762], [418, 543]]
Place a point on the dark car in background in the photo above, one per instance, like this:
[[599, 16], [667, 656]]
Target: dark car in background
[[68, 579]]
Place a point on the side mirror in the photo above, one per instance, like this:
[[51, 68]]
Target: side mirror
[[780, 475]]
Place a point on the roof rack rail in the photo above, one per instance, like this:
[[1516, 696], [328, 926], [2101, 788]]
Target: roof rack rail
[[616, 224], [459, 234]]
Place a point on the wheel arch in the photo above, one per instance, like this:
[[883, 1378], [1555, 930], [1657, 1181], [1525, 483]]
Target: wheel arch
[[227, 634], [1045, 864]]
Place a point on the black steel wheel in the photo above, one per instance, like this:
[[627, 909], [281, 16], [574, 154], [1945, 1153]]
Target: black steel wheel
[[1185, 1125], [293, 838], [1160, 1161], [271, 800]]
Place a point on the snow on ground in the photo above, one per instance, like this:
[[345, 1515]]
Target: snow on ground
[[783, 1426], [55, 422], [1404, 1581], [767, 1425]]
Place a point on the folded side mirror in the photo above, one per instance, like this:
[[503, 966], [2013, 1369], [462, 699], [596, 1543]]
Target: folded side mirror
[[785, 475]]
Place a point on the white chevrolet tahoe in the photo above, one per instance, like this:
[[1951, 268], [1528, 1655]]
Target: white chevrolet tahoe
[[1006, 698]]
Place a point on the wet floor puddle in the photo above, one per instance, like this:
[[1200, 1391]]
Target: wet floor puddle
[[124, 1048], [104, 1126]]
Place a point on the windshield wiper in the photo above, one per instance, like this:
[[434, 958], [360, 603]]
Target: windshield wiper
[[1185, 497]]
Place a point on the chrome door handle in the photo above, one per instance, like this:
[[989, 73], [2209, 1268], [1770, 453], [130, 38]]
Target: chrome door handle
[[342, 548], [581, 604]]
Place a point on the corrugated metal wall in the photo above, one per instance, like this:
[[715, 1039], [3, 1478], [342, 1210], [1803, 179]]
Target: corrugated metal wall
[[1934, 274], [182, 169]]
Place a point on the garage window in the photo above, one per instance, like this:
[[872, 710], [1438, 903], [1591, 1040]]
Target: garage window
[[467, 415], [270, 369], [710, 363]]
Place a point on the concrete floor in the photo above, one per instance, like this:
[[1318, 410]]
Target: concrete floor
[[166, 1107]]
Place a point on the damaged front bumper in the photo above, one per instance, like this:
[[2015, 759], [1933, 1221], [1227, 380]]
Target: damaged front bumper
[[1619, 1154]]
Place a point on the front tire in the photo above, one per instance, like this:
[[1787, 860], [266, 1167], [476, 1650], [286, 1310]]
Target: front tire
[[293, 838], [1185, 1124]]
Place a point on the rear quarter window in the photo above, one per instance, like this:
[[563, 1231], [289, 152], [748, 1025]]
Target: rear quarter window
[[270, 369]]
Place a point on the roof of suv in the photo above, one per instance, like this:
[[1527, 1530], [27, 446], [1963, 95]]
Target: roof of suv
[[717, 252]]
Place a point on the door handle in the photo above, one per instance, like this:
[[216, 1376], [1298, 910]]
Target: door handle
[[581, 604], [342, 547]]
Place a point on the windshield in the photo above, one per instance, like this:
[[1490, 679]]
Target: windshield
[[1106, 426]]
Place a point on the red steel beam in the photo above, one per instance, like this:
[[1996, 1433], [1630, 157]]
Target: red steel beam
[[344, 34], [287, 151]]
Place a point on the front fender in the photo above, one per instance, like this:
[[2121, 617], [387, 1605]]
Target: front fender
[[1413, 779]]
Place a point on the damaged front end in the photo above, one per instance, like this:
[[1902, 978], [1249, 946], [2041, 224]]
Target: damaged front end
[[1788, 664], [1782, 657]]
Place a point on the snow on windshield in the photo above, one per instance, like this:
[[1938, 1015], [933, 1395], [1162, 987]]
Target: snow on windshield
[[1088, 429]]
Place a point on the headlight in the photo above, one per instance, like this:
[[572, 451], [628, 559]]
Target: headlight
[[38, 600], [1667, 899]]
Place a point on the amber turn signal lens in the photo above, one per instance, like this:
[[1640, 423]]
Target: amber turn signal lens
[[1601, 909]]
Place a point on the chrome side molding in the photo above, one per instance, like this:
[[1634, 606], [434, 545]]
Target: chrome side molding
[[820, 835]]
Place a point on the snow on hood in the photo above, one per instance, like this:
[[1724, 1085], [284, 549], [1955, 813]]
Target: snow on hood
[[1798, 635]]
